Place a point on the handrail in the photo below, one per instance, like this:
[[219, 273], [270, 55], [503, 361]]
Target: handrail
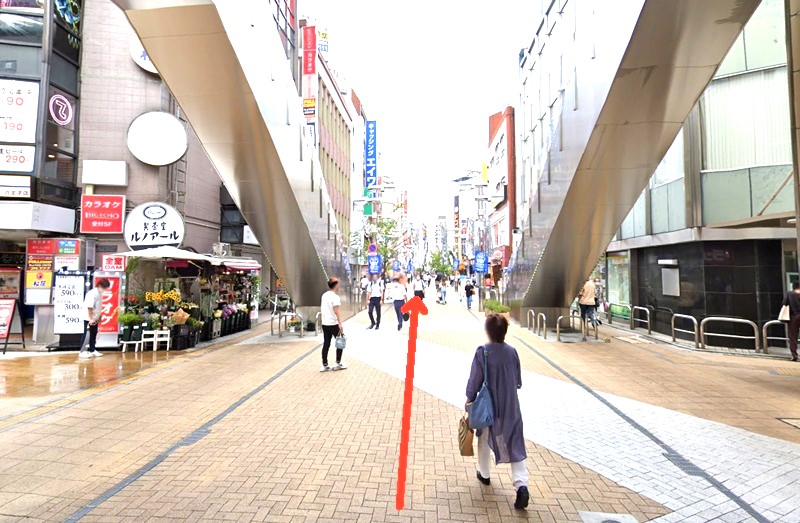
[[573, 313], [285, 316], [531, 314], [723, 319], [610, 315], [634, 319], [317, 323], [558, 328], [272, 324], [765, 337], [541, 325], [693, 332]]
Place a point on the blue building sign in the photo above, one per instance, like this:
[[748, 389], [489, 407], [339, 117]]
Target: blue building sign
[[481, 262], [371, 156], [374, 263], [396, 266], [456, 265]]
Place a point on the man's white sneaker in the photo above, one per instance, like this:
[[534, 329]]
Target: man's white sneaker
[[324, 368], [85, 355], [339, 366], [96, 354]]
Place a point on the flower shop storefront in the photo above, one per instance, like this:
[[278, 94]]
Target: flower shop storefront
[[195, 297]]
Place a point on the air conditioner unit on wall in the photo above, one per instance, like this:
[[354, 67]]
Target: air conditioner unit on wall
[[221, 249]]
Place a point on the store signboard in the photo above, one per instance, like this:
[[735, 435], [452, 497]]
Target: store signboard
[[41, 246], [371, 155], [154, 224], [70, 262], [114, 263], [38, 279], [39, 262], [109, 319], [10, 279], [16, 159], [68, 247], [102, 213], [7, 307], [68, 303], [139, 55], [19, 101], [61, 110]]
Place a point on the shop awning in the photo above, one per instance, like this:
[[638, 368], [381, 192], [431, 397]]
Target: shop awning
[[238, 264], [166, 252]]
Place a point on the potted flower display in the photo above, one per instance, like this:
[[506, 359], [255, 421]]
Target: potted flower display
[[294, 324], [129, 321]]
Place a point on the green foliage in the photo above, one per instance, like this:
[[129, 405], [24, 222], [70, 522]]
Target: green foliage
[[384, 234], [130, 319], [440, 263], [495, 306]]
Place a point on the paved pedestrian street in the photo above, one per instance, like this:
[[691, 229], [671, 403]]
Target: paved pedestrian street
[[250, 430]]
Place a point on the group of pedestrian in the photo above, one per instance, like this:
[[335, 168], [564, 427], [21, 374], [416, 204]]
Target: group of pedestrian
[[495, 367]]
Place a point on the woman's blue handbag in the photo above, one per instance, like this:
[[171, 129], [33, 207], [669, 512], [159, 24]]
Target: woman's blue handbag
[[481, 411]]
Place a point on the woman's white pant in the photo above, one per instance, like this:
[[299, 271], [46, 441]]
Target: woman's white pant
[[519, 471]]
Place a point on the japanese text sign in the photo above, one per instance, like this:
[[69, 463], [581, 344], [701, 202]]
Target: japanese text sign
[[41, 246], [102, 213], [481, 261], [114, 263], [68, 303], [371, 156], [154, 224], [19, 101], [6, 317], [109, 319], [309, 38]]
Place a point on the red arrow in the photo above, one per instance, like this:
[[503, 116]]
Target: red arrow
[[414, 307]]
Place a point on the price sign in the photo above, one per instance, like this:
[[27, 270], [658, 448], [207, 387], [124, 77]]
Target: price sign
[[68, 303], [18, 159], [19, 105]]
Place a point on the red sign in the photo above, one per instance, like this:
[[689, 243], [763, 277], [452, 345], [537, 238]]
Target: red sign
[[102, 213], [309, 61], [6, 317], [41, 246], [310, 38], [114, 263], [109, 319]]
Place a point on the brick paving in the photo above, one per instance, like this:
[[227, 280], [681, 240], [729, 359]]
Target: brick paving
[[323, 447]]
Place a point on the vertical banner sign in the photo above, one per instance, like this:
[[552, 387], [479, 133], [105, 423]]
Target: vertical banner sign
[[374, 263], [481, 262], [109, 320], [102, 213], [371, 156], [68, 303], [396, 266], [310, 85]]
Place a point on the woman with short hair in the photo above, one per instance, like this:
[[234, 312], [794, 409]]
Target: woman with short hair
[[504, 437]]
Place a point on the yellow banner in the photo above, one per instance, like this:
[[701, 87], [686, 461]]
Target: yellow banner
[[38, 279]]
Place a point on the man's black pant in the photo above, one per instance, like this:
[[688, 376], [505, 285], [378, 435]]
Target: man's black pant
[[328, 333], [398, 304], [421, 294], [794, 329], [92, 330], [375, 305]]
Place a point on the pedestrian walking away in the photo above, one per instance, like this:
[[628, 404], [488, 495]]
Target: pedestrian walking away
[[586, 301], [331, 325], [469, 292], [375, 291], [397, 293], [363, 284], [92, 313], [792, 299], [497, 364], [419, 287]]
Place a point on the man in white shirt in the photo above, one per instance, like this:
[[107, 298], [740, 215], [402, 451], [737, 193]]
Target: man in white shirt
[[92, 312], [331, 325], [396, 292], [419, 287], [375, 292], [364, 283]]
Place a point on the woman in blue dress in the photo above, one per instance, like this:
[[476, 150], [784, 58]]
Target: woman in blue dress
[[504, 437]]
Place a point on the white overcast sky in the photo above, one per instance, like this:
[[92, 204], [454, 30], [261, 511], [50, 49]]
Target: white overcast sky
[[430, 73]]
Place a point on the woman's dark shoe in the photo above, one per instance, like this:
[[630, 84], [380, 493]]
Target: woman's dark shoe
[[794, 359], [522, 498], [485, 481]]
